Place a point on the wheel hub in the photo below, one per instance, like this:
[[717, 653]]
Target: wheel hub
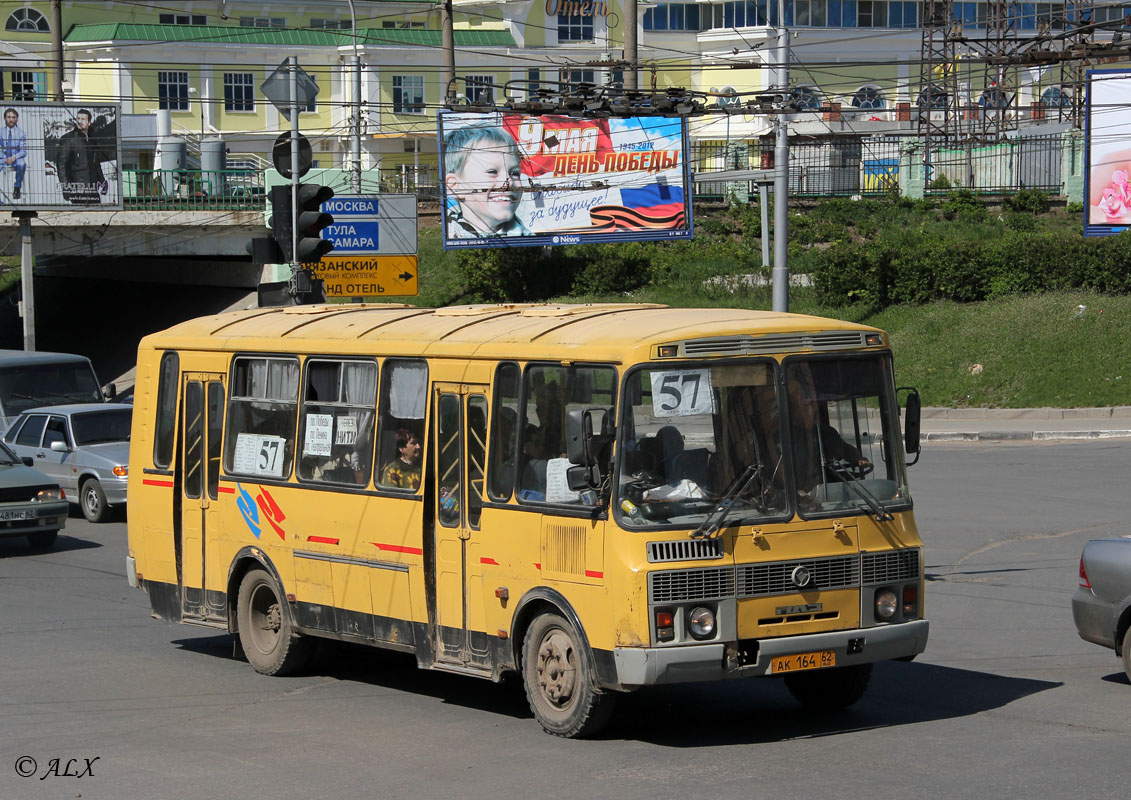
[[557, 672]]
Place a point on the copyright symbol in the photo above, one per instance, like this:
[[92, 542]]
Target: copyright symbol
[[25, 766]]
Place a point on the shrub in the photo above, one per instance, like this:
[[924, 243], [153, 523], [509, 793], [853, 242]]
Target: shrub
[[1029, 201]]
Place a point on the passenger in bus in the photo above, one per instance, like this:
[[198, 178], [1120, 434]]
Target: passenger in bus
[[403, 472], [815, 443], [533, 483]]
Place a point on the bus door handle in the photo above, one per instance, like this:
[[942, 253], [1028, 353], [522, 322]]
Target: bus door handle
[[465, 533]]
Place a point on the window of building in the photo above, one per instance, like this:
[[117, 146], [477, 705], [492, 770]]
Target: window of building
[[184, 19], [806, 98], [994, 99], [29, 85], [339, 407], [842, 13], [331, 24], [27, 20], [575, 27], [479, 89], [868, 98], [573, 78], [400, 434], [263, 22], [533, 79], [312, 106], [902, 14], [933, 98], [971, 15], [408, 94], [239, 91], [173, 90], [166, 409], [1056, 97], [672, 17], [393, 24], [260, 438], [810, 12]]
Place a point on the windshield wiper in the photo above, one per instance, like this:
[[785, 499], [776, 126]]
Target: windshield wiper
[[843, 474], [717, 516]]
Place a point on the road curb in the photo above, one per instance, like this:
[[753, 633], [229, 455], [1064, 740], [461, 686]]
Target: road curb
[[1004, 436]]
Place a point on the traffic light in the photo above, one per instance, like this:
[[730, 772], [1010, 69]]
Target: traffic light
[[308, 248]]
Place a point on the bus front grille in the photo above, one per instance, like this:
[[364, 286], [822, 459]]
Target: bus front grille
[[758, 580], [685, 550], [676, 586], [890, 566]]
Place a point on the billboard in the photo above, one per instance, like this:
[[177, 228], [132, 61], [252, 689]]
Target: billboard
[[1107, 173], [57, 156], [522, 180]]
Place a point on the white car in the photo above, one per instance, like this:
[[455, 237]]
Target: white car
[[84, 447]]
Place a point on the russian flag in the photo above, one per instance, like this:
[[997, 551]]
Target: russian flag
[[654, 207]]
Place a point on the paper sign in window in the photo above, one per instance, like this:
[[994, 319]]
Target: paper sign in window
[[682, 393]]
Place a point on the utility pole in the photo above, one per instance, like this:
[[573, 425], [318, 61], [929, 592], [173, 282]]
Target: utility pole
[[27, 278], [292, 74], [631, 51], [57, 47], [355, 126], [448, 42], [781, 176]]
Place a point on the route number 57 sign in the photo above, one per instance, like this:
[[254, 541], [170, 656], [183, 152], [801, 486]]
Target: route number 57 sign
[[682, 393]]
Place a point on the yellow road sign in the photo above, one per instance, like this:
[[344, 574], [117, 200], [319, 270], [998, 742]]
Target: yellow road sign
[[368, 276]]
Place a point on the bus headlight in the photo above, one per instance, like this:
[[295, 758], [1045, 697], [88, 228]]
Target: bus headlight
[[886, 603], [701, 622]]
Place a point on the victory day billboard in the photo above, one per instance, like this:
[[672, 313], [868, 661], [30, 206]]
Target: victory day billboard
[[56, 156], [1107, 176], [517, 180]]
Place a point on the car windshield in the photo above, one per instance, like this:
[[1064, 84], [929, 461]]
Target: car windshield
[[95, 427], [694, 434], [27, 387], [709, 446]]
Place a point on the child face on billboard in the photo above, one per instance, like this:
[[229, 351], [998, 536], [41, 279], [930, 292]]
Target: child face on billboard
[[483, 187]]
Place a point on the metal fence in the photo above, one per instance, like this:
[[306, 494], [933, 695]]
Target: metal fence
[[193, 189], [846, 166]]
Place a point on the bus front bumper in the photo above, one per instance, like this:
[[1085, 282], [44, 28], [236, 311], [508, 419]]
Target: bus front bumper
[[647, 666]]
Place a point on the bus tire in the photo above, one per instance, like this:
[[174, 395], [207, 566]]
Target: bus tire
[[559, 680], [265, 629], [829, 689]]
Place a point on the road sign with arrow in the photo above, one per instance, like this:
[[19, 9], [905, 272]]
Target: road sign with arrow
[[375, 246]]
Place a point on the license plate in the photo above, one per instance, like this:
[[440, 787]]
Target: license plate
[[12, 515], [803, 661]]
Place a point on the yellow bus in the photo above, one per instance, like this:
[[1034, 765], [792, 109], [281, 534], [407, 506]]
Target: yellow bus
[[595, 497]]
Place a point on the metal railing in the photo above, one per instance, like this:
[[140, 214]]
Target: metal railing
[[1032, 162], [193, 189]]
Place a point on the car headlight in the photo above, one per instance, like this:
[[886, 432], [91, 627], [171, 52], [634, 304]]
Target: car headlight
[[46, 495], [701, 622], [886, 603], [121, 471]]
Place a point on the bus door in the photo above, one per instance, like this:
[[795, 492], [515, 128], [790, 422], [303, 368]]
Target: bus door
[[459, 477], [203, 423]]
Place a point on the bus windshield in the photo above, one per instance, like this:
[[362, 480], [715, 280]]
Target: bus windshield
[[695, 435], [29, 386]]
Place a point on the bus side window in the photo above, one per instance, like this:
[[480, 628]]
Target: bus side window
[[400, 431], [166, 409], [336, 432], [262, 412], [504, 433]]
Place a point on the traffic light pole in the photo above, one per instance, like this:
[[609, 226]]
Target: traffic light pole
[[292, 63]]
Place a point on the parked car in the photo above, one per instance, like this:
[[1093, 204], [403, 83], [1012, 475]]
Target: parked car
[[30, 379], [1101, 607], [85, 447], [31, 504]]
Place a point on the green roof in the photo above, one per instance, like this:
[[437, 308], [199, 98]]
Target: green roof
[[215, 34]]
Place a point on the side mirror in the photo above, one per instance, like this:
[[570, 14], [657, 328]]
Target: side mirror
[[60, 447], [27, 461], [911, 422], [583, 427]]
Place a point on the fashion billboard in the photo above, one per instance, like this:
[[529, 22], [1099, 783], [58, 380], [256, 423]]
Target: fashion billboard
[[1107, 174], [519, 180], [56, 156]]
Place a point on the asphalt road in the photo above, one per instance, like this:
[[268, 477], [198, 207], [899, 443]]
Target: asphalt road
[[1006, 702]]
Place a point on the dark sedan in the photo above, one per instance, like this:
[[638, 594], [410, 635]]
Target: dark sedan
[[1101, 607], [31, 504]]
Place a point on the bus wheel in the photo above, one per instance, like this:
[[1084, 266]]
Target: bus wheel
[[829, 689], [266, 633], [559, 685]]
